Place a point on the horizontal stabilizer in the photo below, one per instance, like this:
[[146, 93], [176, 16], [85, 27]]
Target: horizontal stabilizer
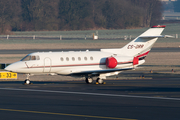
[[157, 36]]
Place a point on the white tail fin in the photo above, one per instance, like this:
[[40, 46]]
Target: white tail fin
[[143, 43], [140, 45]]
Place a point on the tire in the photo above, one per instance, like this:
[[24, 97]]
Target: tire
[[100, 81], [89, 80], [27, 81]]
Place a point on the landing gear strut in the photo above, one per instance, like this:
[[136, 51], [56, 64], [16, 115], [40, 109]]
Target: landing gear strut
[[27, 81]]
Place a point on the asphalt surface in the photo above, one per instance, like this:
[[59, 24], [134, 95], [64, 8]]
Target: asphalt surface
[[27, 51], [156, 97]]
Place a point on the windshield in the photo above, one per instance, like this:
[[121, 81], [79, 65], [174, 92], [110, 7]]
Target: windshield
[[30, 57]]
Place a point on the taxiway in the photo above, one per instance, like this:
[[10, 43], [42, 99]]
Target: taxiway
[[156, 97]]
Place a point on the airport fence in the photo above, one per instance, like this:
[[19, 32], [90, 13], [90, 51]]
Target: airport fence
[[80, 37], [66, 37]]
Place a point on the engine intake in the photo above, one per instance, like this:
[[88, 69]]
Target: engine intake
[[111, 62]]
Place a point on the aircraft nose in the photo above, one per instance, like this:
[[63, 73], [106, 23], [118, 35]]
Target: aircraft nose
[[16, 67], [10, 68]]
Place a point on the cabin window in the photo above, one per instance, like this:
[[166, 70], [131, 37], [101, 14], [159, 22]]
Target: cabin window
[[85, 58], [91, 58], [73, 59], [67, 59], [29, 57], [61, 59], [79, 58]]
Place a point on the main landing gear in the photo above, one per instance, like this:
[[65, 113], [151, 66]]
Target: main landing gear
[[89, 80], [99, 80], [27, 81]]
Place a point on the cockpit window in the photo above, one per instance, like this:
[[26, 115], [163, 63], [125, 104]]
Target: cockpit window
[[30, 57], [33, 57], [26, 58], [37, 58]]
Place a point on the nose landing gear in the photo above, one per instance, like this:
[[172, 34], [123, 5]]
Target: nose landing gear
[[27, 81]]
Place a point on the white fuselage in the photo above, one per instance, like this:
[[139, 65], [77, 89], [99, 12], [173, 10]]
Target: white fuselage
[[66, 63]]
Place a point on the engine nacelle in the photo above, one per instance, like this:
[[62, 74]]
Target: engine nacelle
[[111, 62]]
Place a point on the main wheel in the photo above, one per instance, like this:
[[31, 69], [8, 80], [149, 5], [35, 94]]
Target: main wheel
[[89, 80], [99, 80], [27, 81]]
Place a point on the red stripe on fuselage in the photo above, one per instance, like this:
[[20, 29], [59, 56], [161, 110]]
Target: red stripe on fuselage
[[142, 55], [79, 65]]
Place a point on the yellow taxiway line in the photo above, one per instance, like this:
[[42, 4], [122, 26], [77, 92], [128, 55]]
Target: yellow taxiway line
[[65, 114]]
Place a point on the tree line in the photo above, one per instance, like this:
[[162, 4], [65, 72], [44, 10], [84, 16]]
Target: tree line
[[34, 15]]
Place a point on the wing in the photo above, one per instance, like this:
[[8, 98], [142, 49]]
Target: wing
[[97, 72]]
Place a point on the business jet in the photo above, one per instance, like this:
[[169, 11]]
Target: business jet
[[90, 64]]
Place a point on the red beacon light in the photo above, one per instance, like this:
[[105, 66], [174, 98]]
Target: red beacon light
[[158, 26]]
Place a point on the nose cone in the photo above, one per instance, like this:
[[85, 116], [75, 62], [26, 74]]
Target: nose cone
[[10, 68], [14, 67]]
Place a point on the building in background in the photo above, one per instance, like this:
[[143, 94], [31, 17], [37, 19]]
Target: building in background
[[170, 12]]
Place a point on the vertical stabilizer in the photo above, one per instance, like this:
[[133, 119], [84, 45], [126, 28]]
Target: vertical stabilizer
[[143, 43]]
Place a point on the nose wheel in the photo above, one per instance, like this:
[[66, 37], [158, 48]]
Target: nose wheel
[[27, 81]]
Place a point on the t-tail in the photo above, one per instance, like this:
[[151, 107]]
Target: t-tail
[[141, 45]]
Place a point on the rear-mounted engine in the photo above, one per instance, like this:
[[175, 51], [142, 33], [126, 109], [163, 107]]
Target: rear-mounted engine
[[111, 62]]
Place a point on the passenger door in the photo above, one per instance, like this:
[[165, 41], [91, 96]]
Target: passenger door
[[47, 65]]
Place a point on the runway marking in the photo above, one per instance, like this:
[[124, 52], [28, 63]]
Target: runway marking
[[64, 114], [95, 94]]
